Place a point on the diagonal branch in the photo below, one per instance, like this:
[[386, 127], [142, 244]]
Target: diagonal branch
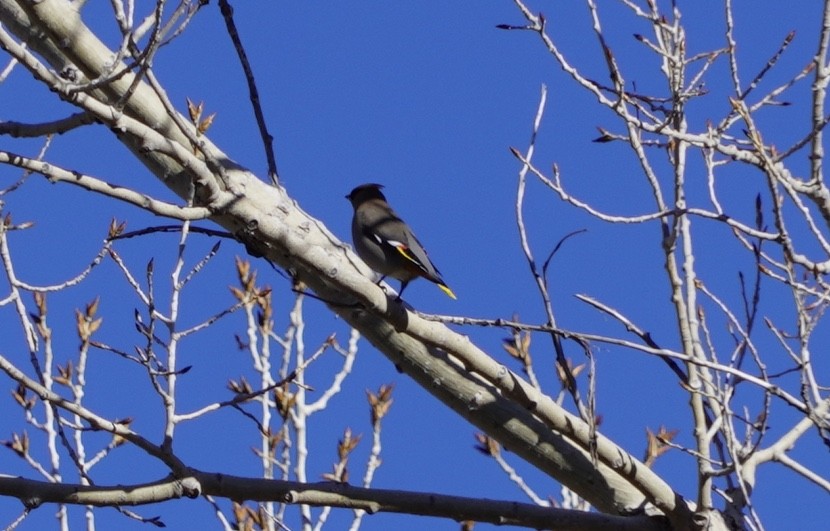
[[57, 174], [271, 224]]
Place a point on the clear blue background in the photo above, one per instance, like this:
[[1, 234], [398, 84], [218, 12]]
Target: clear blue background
[[426, 98]]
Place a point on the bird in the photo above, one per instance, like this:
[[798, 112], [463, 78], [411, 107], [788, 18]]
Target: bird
[[386, 243]]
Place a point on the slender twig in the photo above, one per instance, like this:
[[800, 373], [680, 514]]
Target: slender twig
[[253, 92], [57, 174]]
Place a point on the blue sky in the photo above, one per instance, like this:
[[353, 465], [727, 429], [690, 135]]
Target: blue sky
[[426, 98]]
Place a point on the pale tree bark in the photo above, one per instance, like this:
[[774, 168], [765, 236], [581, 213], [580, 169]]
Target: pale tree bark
[[663, 135], [269, 222], [62, 53]]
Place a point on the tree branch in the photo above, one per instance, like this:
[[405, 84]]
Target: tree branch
[[330, 494]]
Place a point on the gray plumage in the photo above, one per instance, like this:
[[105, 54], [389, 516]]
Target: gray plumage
[[386, 243]]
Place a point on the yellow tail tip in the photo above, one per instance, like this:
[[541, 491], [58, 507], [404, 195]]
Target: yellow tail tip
[[446, 289]]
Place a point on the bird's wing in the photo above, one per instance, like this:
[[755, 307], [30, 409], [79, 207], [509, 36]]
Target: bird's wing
[[413, 251]]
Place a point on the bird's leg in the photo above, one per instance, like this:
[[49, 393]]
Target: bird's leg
[[404, 283], [380, 281], [400, 292]]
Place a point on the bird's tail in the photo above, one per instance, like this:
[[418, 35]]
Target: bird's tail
[[446, 289]]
